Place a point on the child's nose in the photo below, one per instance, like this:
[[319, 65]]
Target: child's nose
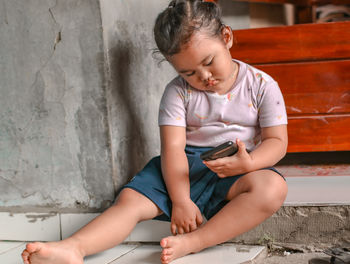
[[204, 75]]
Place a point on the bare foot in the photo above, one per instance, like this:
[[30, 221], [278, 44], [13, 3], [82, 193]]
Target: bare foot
[[63, 252], [176, 247]]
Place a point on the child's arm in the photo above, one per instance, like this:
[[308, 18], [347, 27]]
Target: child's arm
[[272, 149], [186, 216]]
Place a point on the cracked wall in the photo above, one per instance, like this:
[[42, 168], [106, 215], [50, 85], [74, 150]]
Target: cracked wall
[[53, 124]]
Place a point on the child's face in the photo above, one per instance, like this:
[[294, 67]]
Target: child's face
[[206, 63]]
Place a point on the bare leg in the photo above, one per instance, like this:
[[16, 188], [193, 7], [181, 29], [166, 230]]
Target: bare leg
[[105, 231], [253, 198]]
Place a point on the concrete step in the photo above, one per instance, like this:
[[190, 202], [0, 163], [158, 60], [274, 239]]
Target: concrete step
[[315, 213]]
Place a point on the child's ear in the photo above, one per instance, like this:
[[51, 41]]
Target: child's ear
[[227, 36]]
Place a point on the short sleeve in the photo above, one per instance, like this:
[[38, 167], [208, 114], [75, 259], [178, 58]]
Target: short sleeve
[[271, 106], [172, 110]]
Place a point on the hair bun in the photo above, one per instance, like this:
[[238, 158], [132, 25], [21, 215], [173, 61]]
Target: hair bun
[[173, 3], [183, 18]]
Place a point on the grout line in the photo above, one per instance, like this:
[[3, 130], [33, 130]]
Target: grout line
[[136, 246], [10, 249], [60, 227]]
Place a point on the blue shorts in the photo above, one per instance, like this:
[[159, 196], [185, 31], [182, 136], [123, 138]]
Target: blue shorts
[[207, 190]]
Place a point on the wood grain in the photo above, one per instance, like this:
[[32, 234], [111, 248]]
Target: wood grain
[[319, 133], [308, 42], [300, 2], [316, 87]]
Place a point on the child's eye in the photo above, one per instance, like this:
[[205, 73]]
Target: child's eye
[[209, 63], [189, 74]]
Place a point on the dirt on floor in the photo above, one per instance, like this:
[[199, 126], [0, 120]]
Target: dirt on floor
[[291, 254], [293, 258]]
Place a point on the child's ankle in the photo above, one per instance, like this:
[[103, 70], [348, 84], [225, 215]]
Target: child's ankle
[[195, 243], [77, 244]]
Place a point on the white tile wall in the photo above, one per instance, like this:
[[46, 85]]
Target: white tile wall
[[71, 223], [29, 227]]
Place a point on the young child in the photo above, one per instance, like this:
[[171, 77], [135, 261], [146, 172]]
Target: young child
[[214, 99]]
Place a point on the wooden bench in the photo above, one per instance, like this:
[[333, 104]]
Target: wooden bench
[[311, 63]]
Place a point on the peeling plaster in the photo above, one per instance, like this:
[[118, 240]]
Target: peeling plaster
[[32, 218], [311, 225]]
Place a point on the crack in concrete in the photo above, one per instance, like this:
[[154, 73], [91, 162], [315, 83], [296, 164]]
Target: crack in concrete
[[52, 16], [59, 34], [57, 40]]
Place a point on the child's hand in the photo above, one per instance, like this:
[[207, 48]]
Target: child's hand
[[239, 163], [186, 217]]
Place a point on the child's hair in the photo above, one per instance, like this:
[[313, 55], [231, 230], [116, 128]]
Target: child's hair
[[177, 23]]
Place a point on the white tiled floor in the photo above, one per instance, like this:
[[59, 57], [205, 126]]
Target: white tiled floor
[[10, 253]]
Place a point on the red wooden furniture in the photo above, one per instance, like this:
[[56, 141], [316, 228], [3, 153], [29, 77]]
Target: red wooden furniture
[[311, 63], [304, 9]]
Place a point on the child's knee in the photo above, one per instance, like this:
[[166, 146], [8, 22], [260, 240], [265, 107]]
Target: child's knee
[[138, 203], [273, 194], [130, 196]]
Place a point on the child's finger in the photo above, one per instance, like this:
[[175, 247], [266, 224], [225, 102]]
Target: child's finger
[[215, 163], [180, 230], [187, 228], [173, 229], [241, 145], [221, 175], [199, 219], [193, 227]]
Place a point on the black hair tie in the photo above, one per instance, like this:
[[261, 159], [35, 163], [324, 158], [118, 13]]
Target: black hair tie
[[172, 4]]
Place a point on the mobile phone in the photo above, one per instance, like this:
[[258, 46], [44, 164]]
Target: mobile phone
[[226, 149]]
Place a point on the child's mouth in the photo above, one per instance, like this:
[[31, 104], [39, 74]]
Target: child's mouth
[[211, 82]]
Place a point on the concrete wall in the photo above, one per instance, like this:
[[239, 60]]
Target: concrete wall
[[54, 140], [79, 100], [136, 82]]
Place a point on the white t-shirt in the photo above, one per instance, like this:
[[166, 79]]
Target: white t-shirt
[[254, 101]]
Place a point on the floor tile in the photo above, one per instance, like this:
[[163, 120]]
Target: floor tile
[[223, 254], [12, 256], [145, 254], [150, 231], [109, 255], [8, 245]]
